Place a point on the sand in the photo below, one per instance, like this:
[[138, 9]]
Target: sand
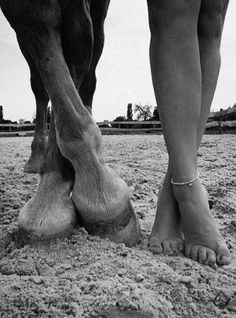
[[85, 276]]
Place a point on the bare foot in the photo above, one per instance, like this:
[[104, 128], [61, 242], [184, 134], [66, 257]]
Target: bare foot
[[166, 236], [100, 196], [203, 241], [50, 213]]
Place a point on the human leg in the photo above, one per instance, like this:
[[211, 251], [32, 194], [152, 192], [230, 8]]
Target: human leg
[[210, 26], [167, 222], [166, 236], [176, 71]]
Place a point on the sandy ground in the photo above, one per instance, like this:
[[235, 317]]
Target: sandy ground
[[85, 276]]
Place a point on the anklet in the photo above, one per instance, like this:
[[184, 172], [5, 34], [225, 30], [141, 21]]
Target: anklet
[[189, 183]]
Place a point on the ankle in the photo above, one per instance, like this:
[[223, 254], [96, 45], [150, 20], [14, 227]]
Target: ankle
[[185, 192], [188, 193], [187, 182]]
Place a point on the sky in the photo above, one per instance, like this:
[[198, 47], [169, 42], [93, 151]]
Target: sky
[[123, 72]]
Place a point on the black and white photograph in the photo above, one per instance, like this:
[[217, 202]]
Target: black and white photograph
[[117, 158]]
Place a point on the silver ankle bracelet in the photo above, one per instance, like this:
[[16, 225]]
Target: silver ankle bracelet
[[189, 183]]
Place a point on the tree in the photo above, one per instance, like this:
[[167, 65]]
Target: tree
[[144, 112], [1, 113], [21, 121], [129, 112], [120, 118], [2, 120], [155, 115]]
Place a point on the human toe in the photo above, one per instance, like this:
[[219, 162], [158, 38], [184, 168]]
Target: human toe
[[211, 257], [155, 246], [202, 255], [194, 252], [176, 246], [167, 250]]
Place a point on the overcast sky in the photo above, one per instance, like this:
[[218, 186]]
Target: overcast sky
[[123, 72]]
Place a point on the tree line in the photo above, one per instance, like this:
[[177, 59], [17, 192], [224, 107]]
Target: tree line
[[143, 113], [22, 120]]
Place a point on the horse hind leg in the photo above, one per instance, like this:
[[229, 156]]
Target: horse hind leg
[[38, 145], [98, 11]]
